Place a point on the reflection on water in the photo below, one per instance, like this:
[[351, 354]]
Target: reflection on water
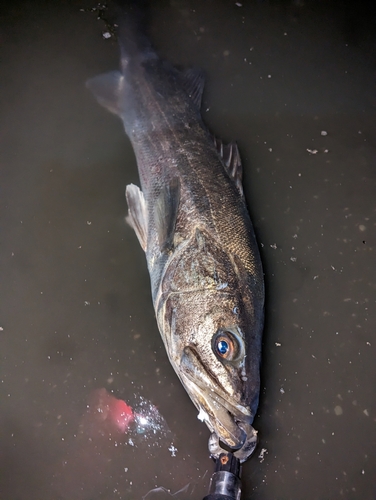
[[161, 493], [107, 424], [106, 414], [149, 422], [110, 416], [75, 308]]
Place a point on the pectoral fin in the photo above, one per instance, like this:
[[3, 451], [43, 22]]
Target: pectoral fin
[[137, 213], [165, 213]]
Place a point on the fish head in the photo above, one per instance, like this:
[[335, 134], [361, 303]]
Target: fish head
[[214, 345], [210, 312]]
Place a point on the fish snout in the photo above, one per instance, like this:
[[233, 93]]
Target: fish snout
[[226, 415]]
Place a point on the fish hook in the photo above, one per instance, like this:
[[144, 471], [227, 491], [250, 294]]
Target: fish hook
[[243, 453]]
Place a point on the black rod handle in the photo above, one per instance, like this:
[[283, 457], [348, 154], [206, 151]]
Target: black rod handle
[[225, 482]]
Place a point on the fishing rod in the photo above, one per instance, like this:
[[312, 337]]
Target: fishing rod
[[225, 482]]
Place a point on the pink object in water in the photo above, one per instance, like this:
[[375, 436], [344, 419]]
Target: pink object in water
[[110, 410], [121, 414], [89, 455]]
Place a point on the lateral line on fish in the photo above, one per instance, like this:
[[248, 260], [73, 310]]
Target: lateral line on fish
[[212, 289]]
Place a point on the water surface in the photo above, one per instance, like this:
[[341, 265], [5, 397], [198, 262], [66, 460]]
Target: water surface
[[296, 87]]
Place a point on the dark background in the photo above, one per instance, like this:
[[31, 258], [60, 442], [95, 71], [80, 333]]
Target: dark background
[[294, 84]]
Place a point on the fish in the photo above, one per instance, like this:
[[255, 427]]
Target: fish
[[191, 219]]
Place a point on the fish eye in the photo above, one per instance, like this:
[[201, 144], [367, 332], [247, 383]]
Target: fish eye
[[226, 346], [223, 347]]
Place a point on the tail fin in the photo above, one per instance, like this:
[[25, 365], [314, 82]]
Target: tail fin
[[133, 32]]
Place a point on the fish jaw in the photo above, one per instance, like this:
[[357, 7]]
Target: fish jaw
[[217, 417], [228, 420]]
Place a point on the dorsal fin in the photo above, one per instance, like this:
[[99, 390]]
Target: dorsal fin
[[165, 214], [230, 156], [193, 81]]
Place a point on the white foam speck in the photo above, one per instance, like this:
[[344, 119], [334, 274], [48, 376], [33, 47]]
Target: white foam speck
[[202, 415]]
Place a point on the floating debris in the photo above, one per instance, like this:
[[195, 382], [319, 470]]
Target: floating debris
[[173, 450], [263, 452], [101, 11], [338, 410]]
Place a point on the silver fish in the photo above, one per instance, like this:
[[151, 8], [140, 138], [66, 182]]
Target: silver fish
[[192, 222]]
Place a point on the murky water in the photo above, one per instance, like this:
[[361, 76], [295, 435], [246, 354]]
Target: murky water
[[296, 88]]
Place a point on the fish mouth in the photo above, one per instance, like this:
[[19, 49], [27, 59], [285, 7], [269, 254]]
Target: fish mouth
[[231, 422]]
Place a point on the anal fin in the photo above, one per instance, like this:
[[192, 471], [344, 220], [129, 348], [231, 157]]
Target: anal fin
[[137, 213]]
